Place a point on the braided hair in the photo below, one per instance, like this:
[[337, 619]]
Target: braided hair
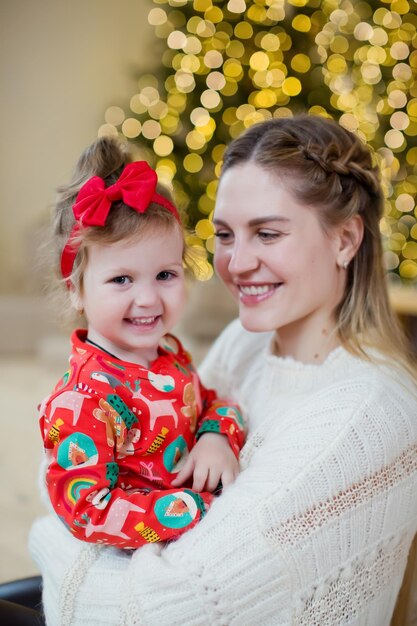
[[330, 169]]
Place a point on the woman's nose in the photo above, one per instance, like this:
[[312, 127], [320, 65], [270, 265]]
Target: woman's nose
[[242, 259]]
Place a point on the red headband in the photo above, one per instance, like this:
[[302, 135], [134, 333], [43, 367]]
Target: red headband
[[136, 187]]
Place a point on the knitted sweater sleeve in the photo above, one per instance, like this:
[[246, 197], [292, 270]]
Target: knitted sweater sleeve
[[315, 531]]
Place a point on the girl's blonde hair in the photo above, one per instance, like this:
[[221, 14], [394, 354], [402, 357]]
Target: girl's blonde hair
[[105, 158], [329, 168]]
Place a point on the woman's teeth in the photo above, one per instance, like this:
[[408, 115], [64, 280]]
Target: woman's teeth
[[256, 291]]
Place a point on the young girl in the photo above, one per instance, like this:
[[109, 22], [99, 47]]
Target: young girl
[[124, 419]]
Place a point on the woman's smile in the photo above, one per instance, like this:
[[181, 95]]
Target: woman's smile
[[253, 293]]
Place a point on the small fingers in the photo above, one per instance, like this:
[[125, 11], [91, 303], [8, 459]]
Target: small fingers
[[230, 474], [213, 481], [228, 477], [184, 474], [200, 478]]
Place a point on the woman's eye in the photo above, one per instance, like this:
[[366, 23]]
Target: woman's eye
[[266, 235], [120, 280], [165, 275], [223, 235]]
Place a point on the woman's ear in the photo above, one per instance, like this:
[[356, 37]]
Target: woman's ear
[[350, 239]]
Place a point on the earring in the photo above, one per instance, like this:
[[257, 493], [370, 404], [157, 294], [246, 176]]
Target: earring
[[345, 264]]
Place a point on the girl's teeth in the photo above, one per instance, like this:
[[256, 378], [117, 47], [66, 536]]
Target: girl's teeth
[[142, 320], [256, 291]]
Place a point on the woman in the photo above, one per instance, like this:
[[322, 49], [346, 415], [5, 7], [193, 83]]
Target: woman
[[317, 527]]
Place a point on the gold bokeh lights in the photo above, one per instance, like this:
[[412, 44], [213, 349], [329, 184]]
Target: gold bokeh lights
[[228, 64]]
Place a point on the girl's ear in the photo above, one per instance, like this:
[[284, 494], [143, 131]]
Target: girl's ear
[[76, 299], [350, 239]]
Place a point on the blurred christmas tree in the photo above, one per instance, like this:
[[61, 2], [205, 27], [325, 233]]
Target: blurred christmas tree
[[227, 64]]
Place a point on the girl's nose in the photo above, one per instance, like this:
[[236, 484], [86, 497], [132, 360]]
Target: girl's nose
[[145, 296]]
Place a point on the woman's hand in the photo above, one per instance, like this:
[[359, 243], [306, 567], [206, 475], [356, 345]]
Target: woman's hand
[[210, 462]]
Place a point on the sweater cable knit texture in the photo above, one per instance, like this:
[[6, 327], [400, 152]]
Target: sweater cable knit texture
[[314, 532]]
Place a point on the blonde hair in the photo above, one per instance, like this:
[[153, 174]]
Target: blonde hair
[[329, 168]]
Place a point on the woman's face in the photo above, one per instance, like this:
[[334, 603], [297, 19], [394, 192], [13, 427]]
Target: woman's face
[[274, 256]]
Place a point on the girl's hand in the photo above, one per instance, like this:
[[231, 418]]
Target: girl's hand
[[209, 462]]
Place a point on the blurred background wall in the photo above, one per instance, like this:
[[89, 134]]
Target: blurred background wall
[[62, 64]]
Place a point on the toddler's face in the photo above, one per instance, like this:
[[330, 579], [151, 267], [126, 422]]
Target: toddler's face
[[134, 293]]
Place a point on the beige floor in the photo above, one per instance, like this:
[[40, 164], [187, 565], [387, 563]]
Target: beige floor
[[24, 381]]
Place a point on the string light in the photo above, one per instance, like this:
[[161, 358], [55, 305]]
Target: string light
[[228, 64], [236, 6]]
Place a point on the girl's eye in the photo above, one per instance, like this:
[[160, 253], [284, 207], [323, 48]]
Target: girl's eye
[[165, 275], [121, 280]]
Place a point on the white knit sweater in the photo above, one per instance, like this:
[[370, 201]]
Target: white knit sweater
[[314, 532]]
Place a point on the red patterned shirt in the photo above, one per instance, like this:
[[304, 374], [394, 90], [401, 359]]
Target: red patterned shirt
[[116, 434]]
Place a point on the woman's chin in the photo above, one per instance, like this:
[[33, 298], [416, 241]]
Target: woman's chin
[[256, 323]]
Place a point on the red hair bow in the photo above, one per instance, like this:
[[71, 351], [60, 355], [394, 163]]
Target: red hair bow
[[136, 187]]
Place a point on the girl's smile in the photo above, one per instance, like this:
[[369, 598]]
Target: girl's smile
[[133, 293], [144, 323]]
